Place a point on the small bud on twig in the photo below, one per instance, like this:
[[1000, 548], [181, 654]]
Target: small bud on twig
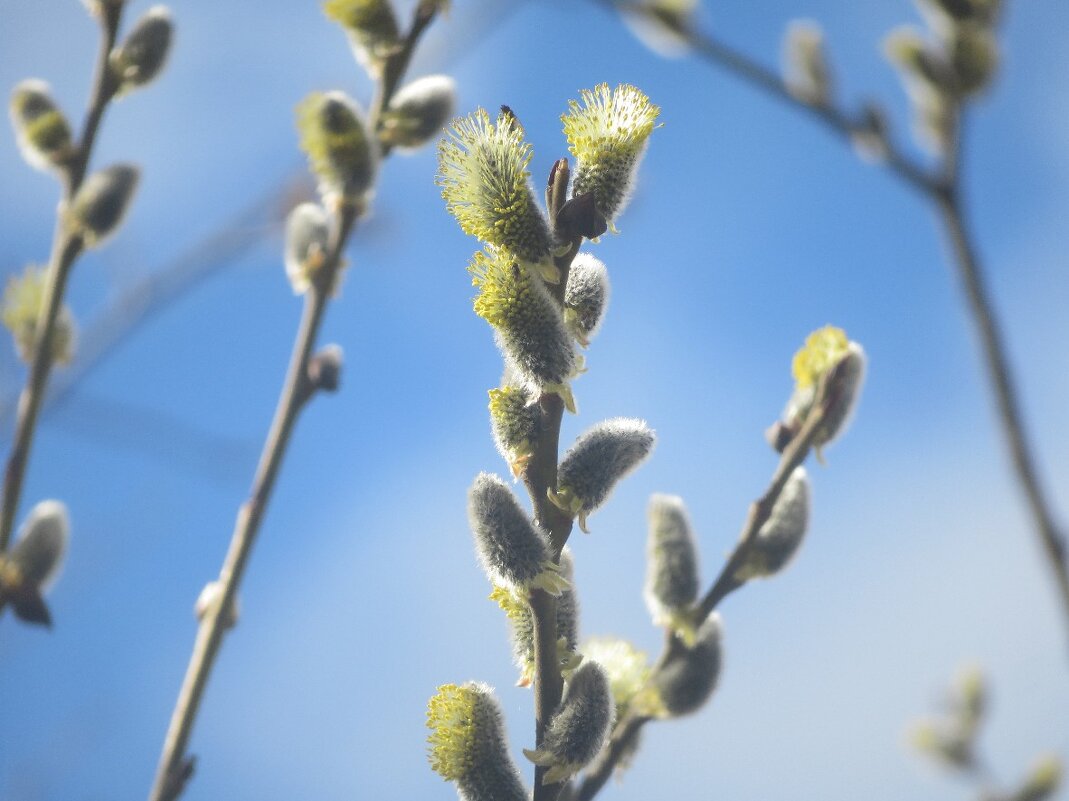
[[778, 540], [139, 59], [340, 152], [805, 65], [34, 562], [372, 28], [307, 239], [98, 209], [417, 112], [42, 131], [210, 597], [324, 368]]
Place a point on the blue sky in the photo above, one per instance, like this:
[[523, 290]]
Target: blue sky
[[751, 228]]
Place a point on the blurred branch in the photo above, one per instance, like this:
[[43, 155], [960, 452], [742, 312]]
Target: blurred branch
[[942, 189], [67, 246], [175, 768], [627, 729]]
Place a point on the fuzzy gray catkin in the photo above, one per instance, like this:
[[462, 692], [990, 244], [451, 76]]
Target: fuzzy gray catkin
[[672, 560], [511, 549], [586, 297], [142, 55], [598, 459], [778, 540], [685, 683], [578, 730], [99, 206], [418, 111]]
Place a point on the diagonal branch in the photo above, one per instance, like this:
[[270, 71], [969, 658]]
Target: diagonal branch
[[942, 189]]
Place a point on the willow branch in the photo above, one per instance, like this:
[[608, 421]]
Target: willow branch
[[298, 389], [175, 768], [66, 247], [627, 728], [941, 188]]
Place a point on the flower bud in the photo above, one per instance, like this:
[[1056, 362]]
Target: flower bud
[[372, 29], [685, 683], [671, 567], [307, 242], [512, 550], [578, 730], [586, 297], [516, 421], [140, 58], [662, 25], [608, 135], [42, 131], [973, 57], [324, 368], [869, 136], [517, 609], [210, 597], [805, 66], [528, 323], [922, 66], [98, 208], [34, 562], [468, 745], [418, 112], [778, 539], [943, 743], [600, 457], [482, 170], [340, 152], [1042, 782], [22, 305], [828, 372]]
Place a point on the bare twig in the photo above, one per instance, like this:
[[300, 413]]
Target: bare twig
[[66, 248], [942, 189], [175, 768]]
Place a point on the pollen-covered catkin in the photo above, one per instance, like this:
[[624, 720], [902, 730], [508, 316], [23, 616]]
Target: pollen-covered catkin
[[515, 421], [672, 564], [528, 323], [512, 550], [586, 297], [467, 744], [20, 310], [685, 683], [607, 131], [578, 730], [600, 457], [485, 181]]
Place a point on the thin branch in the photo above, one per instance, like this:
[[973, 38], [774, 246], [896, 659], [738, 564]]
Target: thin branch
[[296, 392], [66, 247], [628, 727], [175, 768], [942, 189]]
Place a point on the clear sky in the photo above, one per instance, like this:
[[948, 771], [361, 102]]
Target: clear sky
[[751, 228]]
